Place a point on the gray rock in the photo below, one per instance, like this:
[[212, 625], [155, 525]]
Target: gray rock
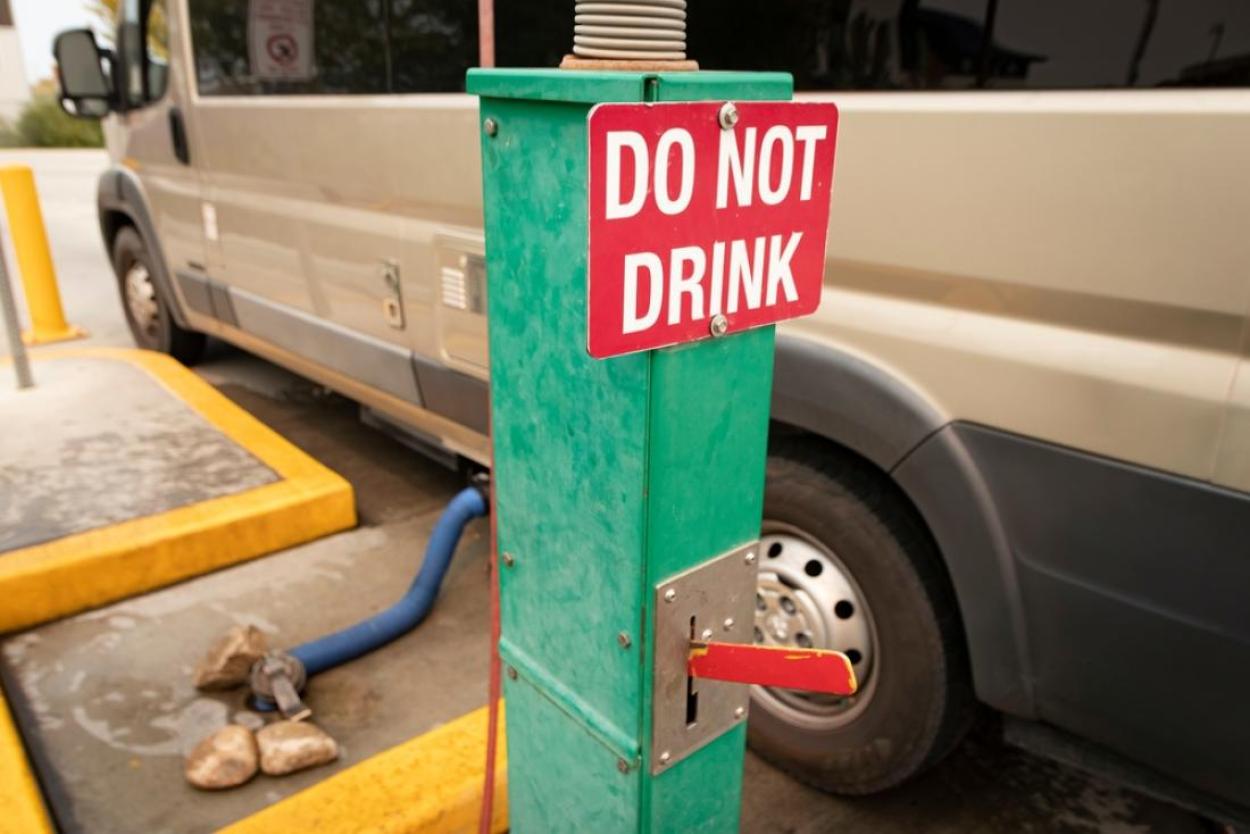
[[288, 746], [225, 759], [246, 718], [228, 662]]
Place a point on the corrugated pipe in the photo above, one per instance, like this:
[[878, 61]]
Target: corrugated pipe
[[405, 615], [637, 30]]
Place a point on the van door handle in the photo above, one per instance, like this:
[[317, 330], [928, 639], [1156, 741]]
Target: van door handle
[[178, 135]]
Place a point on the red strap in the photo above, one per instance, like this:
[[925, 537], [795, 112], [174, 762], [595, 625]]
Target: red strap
[[814, 670]]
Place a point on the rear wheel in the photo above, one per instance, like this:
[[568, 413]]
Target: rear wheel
[[148, 312], [847, 565]]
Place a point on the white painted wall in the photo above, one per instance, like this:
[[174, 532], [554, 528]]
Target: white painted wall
[[14, 91]]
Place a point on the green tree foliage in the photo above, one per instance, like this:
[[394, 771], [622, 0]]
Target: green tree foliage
[[43, 124]]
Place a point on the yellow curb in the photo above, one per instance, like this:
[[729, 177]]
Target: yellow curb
[[21, 806], [429, 785], [89, 569]]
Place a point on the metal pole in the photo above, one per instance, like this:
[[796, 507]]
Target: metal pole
[[486, 33], [13, 327]]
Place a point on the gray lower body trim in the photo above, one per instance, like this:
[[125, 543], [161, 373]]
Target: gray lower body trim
[[396, 370], [376, 363], [196, 292], [1133, 584], [456, 396]]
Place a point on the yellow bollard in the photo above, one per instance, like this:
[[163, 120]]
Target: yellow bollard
[[34, 258]]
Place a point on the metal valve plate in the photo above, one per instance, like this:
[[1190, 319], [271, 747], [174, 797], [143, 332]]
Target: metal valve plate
[[712, 601]]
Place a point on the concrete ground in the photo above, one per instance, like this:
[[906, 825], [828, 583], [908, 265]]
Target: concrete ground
[[105, 701], [98, 442]]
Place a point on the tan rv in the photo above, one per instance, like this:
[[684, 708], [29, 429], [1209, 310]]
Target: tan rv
[[1010, 460]]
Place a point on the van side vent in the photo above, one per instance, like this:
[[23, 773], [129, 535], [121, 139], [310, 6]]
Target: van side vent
[[463, 285]]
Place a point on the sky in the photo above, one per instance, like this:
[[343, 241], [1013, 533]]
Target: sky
[[38, 22]]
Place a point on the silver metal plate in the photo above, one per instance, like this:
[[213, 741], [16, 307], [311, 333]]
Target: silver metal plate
[[713, 601]]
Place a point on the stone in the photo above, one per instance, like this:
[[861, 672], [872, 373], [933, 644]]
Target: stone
[[288, 746], [227, 663], [246, 718], [225, 759]]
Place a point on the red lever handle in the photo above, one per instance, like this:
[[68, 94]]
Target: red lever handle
[[815, 670]]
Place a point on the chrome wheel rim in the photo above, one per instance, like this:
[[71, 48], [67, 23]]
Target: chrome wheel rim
[[141, 301], [807, 598]]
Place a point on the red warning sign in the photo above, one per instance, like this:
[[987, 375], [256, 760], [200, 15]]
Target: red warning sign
[[705, 219]]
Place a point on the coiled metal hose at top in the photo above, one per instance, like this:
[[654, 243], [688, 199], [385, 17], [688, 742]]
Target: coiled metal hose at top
[[637, 30]]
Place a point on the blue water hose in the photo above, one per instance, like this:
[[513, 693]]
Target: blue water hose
[[405, 615]]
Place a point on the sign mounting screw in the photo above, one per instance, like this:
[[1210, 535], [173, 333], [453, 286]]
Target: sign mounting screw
[[728, 116], [623, 639], [491, 127], [729, 624], [508, 559], [740, 712], [511, 673], [670, 595], [622, 765], [719, 325], [750, 557], [665, 757]]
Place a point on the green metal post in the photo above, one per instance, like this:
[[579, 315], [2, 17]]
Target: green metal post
[[611, 475]]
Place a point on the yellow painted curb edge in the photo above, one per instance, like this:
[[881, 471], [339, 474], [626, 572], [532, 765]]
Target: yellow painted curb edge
[[99, 566], [429, 785], [21, 806]]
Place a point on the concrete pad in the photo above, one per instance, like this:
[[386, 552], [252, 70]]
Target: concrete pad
[[100, 441], [109, 709], [123, 472]]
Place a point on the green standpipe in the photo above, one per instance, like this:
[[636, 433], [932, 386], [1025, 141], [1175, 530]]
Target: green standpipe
[[612, 476]]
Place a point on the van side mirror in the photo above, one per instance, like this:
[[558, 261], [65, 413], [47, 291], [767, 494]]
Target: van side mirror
[[86, 89]]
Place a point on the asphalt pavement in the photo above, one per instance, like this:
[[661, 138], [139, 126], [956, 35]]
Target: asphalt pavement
[[439, 673]]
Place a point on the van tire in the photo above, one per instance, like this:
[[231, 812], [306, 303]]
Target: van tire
[[921, 703], [147, 309]]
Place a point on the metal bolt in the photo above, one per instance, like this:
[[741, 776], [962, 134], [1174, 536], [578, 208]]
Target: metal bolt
[[665, 757], [511, 673], [750, 557], [622, 765], [728, 116], [508, 559], [623, 639], [707, 634], [740, 712], [729, 624], [491, 126], [718, 325], [670, 595]]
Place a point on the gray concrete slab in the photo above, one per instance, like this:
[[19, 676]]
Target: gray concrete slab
[[100, 441]]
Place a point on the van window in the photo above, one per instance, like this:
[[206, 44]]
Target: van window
[[530, 34], [431, 43], [143, 43], [332, 47], [978, 44]]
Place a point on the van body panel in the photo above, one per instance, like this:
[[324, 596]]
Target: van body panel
[[1232, 468], [328, 189], [141, 141], [1064, 265]]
